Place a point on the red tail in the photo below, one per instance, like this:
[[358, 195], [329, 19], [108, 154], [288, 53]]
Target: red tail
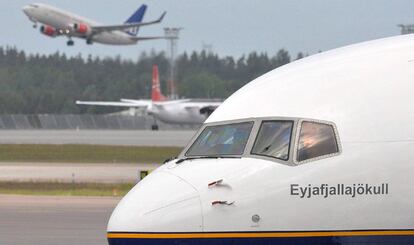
[[156, 94]]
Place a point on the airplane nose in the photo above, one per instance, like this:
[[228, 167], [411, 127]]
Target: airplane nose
[[162, 202], [25, 9]]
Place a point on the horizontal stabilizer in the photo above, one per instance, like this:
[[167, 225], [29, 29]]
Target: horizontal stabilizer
[[147, 38], [126, 26], [170, 102]]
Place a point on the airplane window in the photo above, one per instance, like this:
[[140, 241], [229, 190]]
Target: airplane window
[[315, 140], [273, 139], [229, 139]]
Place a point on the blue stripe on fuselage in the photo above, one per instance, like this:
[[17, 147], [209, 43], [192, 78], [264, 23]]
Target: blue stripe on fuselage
[[354, 240]]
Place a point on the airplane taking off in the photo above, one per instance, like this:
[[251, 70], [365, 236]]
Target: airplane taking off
[[318, 151], [58, 22], [182, 111]]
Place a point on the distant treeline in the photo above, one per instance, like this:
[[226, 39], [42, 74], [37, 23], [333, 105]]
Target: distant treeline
[[34, 84]]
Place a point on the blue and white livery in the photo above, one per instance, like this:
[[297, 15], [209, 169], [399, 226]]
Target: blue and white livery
[[57, 22]]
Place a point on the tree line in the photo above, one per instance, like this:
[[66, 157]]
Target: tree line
[[36, 84]]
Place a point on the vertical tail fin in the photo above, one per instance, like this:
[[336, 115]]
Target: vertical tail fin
[[137, 16], [156, 94]]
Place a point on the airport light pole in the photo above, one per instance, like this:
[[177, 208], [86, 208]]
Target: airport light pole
[[208, 48], [171, 35]]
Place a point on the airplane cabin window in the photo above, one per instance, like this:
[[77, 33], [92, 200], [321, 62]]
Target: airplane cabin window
[[273, 139], [315, 140], [219, 140]]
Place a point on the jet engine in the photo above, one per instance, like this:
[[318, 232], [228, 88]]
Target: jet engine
[[48, 31], [207, 110], [82, 28]]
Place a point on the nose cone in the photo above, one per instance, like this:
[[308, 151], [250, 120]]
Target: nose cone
[[26, 9], [162, 202]]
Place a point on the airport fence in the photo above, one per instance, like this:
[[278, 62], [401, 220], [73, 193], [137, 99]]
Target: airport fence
[[82, 121]]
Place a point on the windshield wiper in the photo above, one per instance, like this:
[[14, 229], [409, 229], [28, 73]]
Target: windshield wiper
[[192, 158], [203, 157], [169, 159]]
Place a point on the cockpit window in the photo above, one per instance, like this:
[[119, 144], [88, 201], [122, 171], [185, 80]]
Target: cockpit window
[[273, 139], [34, 5], [228, 139], [315, 140]]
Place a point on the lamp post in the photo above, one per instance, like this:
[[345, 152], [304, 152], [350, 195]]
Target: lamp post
[[171, 35]]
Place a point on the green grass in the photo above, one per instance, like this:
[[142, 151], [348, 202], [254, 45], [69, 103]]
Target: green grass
[[64, 189], [86, 153]]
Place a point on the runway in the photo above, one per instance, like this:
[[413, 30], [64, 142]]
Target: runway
[[73, 172], [40, 220], [97, 137]]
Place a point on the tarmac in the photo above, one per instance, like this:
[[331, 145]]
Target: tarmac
[[73, 172], [98, 137], [45, 220], [50, 220]]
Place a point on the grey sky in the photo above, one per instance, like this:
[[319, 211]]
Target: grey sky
[[233, 27]]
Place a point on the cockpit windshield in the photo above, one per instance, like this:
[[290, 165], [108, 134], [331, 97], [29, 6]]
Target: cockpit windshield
[[221, 140], [272, 138]]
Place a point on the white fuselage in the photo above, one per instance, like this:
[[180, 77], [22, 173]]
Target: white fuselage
[[366, 90], [64, 20], [180, 113], [181, 192]]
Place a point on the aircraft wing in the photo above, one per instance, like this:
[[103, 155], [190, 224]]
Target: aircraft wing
[[169, 102], [114, 103], [202, 104], [126, 26], [139, 102]]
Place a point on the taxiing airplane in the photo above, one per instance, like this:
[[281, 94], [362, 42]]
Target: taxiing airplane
[[182, 111], [319, 151], [57, 22]]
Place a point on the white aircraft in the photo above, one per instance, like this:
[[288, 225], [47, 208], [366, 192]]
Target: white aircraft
[[183, 111], [319, 151], [58, 22]]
